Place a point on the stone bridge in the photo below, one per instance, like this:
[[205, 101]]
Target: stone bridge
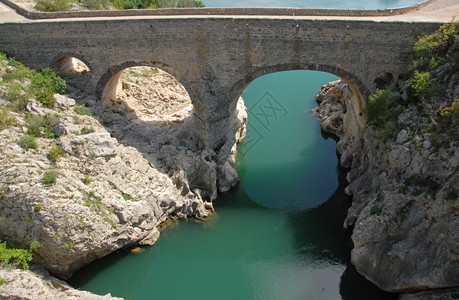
[[215, 57]]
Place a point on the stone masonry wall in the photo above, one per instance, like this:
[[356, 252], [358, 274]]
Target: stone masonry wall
[[216, 57]]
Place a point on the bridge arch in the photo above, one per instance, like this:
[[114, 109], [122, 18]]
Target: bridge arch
[[110, 84], [64, 62], [358, 88]]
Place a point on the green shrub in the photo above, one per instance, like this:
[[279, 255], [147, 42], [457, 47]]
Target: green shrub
[[387, 133], [36, 124], [376, 111], [431, 50], [45, 84], [46, 97], [49, 132], [19, 72], [16, 256], [130, 4], [82, 110], [49, 177], [451, 111], [5, 119], [375, 210], [190, 3], [68, 245], [55, 153], [86, 179], [418, 86], [96, 4], [86, 130], [127, 197], [16, 97], [34, 131], [27, 142], [37, 208], [47, 78], [52, 5]]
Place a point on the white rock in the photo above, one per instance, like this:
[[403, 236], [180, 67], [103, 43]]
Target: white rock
[[64, 101], [402, 136]]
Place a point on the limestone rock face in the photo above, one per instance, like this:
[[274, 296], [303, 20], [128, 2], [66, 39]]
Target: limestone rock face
[[444, 294], [121, 172], [38, 284], [405, 208], [106, 195]]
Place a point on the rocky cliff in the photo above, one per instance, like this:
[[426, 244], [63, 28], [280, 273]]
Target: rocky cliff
[[404, 182], [100, 179]]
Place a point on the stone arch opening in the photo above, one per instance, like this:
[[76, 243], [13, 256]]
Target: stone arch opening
[[281, 132], [358, 90], [151, 92], [385, 80], [110, 86], [70, 65], [356, 85]]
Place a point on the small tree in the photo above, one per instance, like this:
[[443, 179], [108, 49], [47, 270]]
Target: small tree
[[431, 50], [376, 112], [419, 86]]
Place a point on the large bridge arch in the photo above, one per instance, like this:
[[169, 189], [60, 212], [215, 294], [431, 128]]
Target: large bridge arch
[[356, 85], [359, 91]]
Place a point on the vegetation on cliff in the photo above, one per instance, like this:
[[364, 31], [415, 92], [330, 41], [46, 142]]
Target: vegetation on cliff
[[404, 170], [436, 58], [39, 85], [11, 257]]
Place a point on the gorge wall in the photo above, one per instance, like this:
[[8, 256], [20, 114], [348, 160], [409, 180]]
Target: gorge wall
[[404, 187]]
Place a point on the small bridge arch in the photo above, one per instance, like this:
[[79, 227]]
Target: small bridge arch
[[109, 84], [65, 62]]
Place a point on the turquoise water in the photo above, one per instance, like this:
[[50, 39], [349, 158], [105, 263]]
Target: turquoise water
[[355, 4], [277, 235], [286, 163]]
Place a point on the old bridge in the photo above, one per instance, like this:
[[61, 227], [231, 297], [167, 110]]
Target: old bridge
[[215, 55]]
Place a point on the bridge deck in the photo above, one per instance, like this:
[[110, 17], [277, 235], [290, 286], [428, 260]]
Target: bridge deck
[[436, 11]]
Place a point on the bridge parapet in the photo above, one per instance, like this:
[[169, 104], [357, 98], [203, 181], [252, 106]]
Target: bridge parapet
[[218, 11]]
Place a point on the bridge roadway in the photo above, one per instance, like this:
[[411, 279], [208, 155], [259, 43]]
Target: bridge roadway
[[436, 11], [216, 56]]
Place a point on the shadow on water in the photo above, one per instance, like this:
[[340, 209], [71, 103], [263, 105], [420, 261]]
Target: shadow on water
[[319, 233]]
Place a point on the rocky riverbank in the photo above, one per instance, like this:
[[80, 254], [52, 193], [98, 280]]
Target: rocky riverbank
[[99, 179], [404, 182]]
